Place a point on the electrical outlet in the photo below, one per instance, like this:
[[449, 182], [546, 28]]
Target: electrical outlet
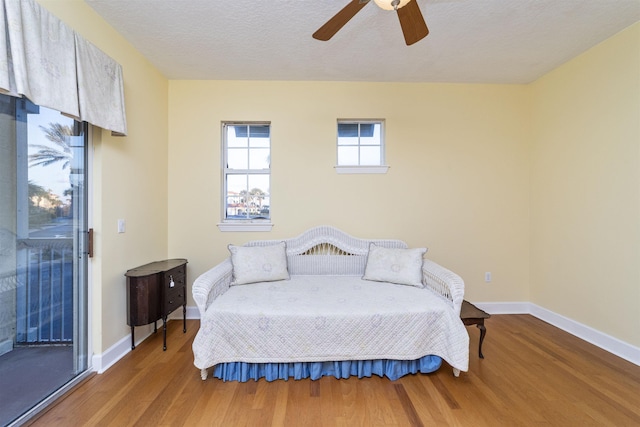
[[487, 276]]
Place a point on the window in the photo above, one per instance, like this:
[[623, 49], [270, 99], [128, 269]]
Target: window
[[360, 146], [246, 176]]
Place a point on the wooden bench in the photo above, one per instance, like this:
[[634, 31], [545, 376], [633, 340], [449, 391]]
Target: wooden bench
[[472, 315]]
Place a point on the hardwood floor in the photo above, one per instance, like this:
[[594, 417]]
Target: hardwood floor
[[532, 374]]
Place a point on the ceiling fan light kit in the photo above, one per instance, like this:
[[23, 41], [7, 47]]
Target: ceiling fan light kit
[[412, 22], [391, 4]]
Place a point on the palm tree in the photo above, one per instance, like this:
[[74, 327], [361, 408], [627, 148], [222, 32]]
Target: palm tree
[[252, 200], [259, 195], [244, 201], [60, 151], [58, 134], [38, 214], [37, 193]]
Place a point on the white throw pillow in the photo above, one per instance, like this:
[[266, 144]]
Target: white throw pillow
[[259, 263], [401, 266]]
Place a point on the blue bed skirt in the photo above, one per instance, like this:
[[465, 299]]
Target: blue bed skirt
[[392, 369]]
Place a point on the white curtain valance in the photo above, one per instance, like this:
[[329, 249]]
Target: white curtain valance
[[100, 88], [46, 61]]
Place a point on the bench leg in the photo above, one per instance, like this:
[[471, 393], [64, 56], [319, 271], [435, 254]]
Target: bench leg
[[483, 332]]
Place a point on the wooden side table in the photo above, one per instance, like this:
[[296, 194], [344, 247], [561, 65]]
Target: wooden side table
[[155, 290], [472, 315]]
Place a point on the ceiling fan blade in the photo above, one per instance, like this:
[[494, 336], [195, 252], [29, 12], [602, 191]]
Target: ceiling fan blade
[[339, 20], [413, 26]]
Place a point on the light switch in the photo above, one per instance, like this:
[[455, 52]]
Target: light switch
[[121, 226]]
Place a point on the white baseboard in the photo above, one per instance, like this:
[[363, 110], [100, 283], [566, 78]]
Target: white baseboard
[[104, 361], [504, 307], [192, 313], [600, 339]]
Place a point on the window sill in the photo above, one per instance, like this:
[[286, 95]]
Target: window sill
[[362, 169], [245, 226]]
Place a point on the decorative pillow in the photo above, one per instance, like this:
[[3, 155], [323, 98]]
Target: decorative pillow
[[259, 263], [401, 266]]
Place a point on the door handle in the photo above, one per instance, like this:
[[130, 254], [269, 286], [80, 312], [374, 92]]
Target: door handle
[[90, 243]]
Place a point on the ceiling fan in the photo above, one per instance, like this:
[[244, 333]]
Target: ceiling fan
[[413, 26]]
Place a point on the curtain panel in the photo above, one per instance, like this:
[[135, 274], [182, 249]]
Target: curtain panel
[[44, 60]]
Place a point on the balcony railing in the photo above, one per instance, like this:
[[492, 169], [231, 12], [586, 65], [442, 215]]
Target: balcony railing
[[44, 292]]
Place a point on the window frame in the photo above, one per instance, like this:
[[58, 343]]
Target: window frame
[[359, 168], [239, 224]]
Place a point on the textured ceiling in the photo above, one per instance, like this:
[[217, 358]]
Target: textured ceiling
[[470, 41]]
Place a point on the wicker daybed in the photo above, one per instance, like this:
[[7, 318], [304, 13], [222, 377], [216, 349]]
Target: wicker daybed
[[329, 304]]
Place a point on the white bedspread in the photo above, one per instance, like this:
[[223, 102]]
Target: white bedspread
[[324, 318]]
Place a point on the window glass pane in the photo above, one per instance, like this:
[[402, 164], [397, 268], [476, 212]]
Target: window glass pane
[[259, 136], [347, 130], [259, 158], [237, 136], [372, 135], [347, 156], [259, 142], [236, 188], [240, 131], [236, 183], [259, 196], [237, 158], [247, 196], [53, 167], [366, 130], [369, 155], [259, 131], [348, 141]]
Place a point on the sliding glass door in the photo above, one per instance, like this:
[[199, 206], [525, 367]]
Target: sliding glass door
[[43, 254]]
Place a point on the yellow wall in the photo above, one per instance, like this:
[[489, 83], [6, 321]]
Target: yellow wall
[[458, 178], [539, 184], [130, 176], [585, 169]]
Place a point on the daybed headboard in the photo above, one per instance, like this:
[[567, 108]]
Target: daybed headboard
[[328, 251]]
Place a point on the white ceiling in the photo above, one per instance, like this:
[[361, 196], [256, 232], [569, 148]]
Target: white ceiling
[[470, 41]]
